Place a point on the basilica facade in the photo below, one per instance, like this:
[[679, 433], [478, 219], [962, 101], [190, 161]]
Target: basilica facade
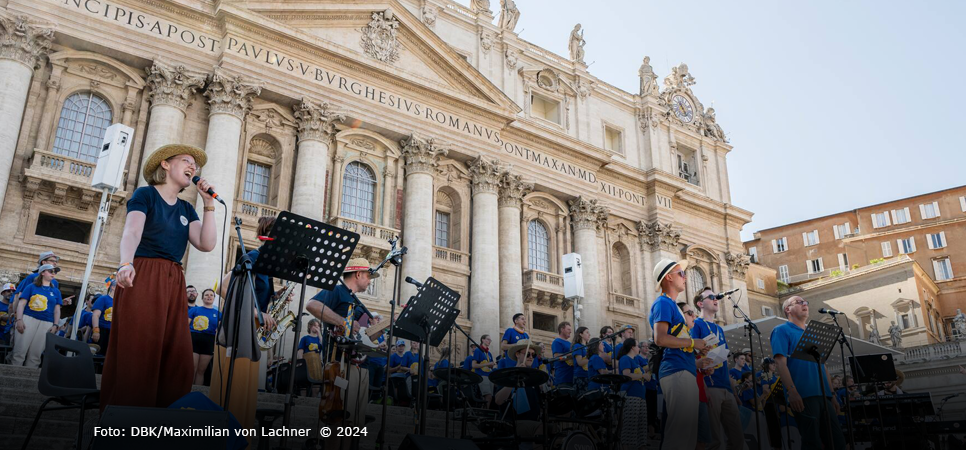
[[489, 156]]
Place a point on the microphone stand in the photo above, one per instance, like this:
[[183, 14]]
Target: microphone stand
[[843, 343], [751, 327], [468, 338], [395, 257]]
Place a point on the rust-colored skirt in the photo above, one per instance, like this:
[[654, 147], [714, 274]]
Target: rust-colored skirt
[[149, 360]]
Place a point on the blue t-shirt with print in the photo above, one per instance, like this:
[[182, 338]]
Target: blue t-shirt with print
[[675, 359], [41, 301], [594, 366], [411, 360], [563, 371], [7, 322], [512, 336], [204, 320], [28, 280], [580, 371], [720, 378], [804, 374], [396, 360], [649, 385], [633, 388], [609, 351], [310, 344], [104, 304], [165, 232], [479, 356]]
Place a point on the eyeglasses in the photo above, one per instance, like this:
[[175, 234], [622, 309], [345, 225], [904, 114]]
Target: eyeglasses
[[711, 297], [531, 355], [800, 302], [689, 312], [681, 273]]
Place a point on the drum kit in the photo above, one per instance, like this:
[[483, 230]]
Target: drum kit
[[583, 421]]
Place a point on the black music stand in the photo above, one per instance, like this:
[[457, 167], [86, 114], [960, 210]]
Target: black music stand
[[816, 346], [427, 319], [307, 251], [876, 369]]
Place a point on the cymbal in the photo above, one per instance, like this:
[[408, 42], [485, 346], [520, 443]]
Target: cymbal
[[610, 379], [461, 377], [519, 376]]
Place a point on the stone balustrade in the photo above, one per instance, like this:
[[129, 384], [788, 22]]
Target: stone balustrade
[[938, 351], [61, 168], [369, 234], [543, 288], [624, 304]]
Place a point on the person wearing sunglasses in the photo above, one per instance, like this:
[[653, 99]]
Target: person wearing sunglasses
[[802, 382], [725, 418], [525, 403]]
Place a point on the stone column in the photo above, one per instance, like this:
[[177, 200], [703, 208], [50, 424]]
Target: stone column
[[171, 90], [23, 46], [229, 100], [421, 157], [316, 127], [388, 192], [46, 131], [484, 260], [586, 217], [335, 187], [512, 191]]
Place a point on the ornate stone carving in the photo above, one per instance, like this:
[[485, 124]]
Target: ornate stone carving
[[648, 78], [231, 94], [480, 6], [486, 41], [362, 143], [710, 127], [679, 78], [511, 59], [874, 336], [380, 37], [421, 155], [95, 70], [513, 189], [509, 15], [738, 263], [485, 174], [268, 118], [895, 333], [316, 121], [548, 79], [576, 44], [430, 14], [656, 235], [262, 147], [648, 119], [959, 324], [587, 214], [585, 87], [172, 85], [23, 41]]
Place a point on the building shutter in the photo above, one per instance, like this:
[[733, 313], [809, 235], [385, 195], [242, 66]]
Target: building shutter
[[900, 247], [805, 238], [922, 211], [874, 224], [848, 228], [842, 263], [887, 219], [808, 266], [929, 242], [774, 246], [821, 267], [816, 236], [835, 231], [908, 216], [936, 268], [886, 249], [912, 243], [935, 206], [895, 218], [962, 203], [942, 238]]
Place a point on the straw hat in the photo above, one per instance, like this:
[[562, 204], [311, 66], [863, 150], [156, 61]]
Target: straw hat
[[166, 151], [520, 345], [662, 268], [358, 265]]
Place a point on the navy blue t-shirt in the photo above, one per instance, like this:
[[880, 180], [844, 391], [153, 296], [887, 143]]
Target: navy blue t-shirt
[[41, 301], [505, 363], [411, 360], [264, 287], [512, 336], [805, 374], [338, 300], [165, 232], [594, 367], [720, 378], [468, 362], [105, 304], [609, 351], [203, 320], [563, 371], [675, 359], [633, 388], [580, 371]]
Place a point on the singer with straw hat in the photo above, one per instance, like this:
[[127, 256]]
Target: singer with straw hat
[[149, 360]]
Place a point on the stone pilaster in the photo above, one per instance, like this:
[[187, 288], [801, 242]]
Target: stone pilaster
[[484, 260], [658, 241], [230, 98], [512, 191], [586, 216], [172, 87], [23, 47], [316, 126], [421, 156]]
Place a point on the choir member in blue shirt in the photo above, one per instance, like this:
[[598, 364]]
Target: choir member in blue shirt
[[581, 360], [515, 333], [203, 321], [563, 369]]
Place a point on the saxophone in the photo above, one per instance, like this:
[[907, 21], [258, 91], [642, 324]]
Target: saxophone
[[284, 320]]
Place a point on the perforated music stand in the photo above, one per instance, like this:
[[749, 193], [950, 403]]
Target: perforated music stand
[[306, 251], [427, 318], [816, 346]]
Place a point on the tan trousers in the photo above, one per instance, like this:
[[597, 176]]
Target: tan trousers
[[681, 397], [30, 345], [725, 420]]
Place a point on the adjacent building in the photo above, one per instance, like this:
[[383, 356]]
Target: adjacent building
[[762, 292]]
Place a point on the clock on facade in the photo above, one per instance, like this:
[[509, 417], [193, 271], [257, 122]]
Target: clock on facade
[[682, 108]]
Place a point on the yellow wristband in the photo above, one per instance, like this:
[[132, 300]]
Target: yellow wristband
[[692, 342], [97, 330]]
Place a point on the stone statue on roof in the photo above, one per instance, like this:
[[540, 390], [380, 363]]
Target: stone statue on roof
[[895, 333], [480, 5], [959, 324], [509, 15], [576, 44], [648, 77]]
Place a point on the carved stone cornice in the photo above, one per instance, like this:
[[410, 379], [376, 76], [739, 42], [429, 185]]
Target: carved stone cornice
[[421, 155], [173, 85], [316, 122], [587, 214], [657, 236], [512, 190], [23, 41], [737, 263], [231, 94], [485, 174]]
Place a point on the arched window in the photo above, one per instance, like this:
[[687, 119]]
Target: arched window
[[358, 193], [83, 121], [538, 241], [696, 281]]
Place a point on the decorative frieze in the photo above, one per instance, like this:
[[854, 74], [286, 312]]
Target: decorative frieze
[[231, 94], [513, 189], [23, 41], [485, 174], [421, 155], [657, 236], [587, 214], [173, 85], [316, 121]]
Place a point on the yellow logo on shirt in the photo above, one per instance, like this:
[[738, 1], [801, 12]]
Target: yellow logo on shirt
[[200, 323], [313, 347], [109, 314], [569, 362], [414, 367], [685, 333], [638, 371], [38, 302]]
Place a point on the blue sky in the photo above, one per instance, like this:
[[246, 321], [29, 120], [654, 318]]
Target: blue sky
[[830, 105]]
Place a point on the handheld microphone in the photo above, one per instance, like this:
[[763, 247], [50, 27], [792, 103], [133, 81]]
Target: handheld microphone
[[725, 294], [829, 311], [210, 191], [410, 280]]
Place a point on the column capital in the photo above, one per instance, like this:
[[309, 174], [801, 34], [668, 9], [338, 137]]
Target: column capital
[[485, 174], [421, 154], [23, 40], [656, 235], [587, 214], [173, 85], [231, 94], [513, 189], [316, 121], [738, 264]]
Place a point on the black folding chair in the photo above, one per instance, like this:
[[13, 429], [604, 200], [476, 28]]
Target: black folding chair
[[67, 380]]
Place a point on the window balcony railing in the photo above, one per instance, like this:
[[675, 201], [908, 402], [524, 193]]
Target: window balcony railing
[[370, 234], [451, 255], [625, 304], [61, 168], [249, 212], [544, 288]]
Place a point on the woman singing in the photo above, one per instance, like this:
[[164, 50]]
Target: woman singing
[[149, 362]]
